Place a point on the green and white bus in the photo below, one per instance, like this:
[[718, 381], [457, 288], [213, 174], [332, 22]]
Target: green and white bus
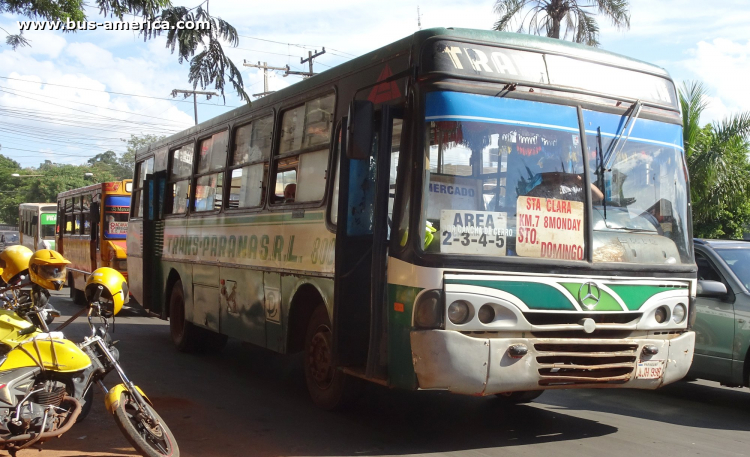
[[473, 211], [36, 225]]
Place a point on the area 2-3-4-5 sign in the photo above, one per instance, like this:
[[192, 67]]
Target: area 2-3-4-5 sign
[[473, 232]]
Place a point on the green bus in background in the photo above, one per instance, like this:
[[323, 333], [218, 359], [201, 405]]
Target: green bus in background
[[36, 225], [480, 212]]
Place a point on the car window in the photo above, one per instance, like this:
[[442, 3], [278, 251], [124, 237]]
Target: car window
[[739, 261], [706, 271]]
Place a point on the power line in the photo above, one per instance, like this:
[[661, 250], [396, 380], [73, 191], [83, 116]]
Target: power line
[[112, 92], [51, 152], [304, 46], [82, 103]]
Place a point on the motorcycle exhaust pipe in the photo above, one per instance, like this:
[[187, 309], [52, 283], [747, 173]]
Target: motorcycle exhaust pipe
[[71, 420]]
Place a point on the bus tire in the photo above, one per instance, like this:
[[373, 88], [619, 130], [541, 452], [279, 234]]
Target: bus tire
[[185, 336], [519, 397], [329, 387]]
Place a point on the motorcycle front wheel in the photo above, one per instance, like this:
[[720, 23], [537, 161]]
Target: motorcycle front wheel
[[148, 441]]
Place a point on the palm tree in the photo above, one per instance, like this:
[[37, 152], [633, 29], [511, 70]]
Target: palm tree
[[717, 159], [550, 16]]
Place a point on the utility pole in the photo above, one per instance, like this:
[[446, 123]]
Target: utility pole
[[419, 19], [310, 57], [265, 68], [195, 102]]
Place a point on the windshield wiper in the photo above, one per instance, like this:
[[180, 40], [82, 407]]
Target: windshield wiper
[[635, 111]]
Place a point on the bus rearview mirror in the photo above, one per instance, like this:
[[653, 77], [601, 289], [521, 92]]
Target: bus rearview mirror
[[35, 220], [359, 137]]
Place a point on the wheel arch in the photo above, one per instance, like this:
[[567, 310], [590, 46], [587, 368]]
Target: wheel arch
[[172, 278], [306, 297]]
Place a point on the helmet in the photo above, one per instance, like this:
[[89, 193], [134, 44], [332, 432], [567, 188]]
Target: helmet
[[13, 261], [114, 288], [48, 269]]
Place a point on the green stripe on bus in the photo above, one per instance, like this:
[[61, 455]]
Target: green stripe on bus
[[534, 295], [267, 219], [400, 310], [606, 301], [635, 296]]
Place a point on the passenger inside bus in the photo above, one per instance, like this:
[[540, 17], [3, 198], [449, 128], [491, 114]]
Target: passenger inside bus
[[289, 192]]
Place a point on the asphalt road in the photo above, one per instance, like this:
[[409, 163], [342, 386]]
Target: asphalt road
[[247, 401]]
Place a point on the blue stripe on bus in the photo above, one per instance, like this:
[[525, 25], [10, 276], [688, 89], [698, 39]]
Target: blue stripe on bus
[[111, 236], [644, 130], [117, 200], [457, 106]]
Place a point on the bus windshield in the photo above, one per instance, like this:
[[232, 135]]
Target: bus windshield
[[47, 226], [116, 211], [505, 177], [641, 215]]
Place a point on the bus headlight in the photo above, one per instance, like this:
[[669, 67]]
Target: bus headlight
[[428, 311], [459, 312], [661, 314], [679, 312]]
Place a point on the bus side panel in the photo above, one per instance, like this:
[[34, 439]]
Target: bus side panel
[[135, 259], [78, 251], [242, 314], [206, 296], [400, 360]]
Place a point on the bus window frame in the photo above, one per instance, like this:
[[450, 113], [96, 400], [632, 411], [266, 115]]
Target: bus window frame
[[273, 113], [276, 157], [135, 192], [169, 197], [220, 172]]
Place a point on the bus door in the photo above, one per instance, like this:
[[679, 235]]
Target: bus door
[[153, 241], [363, 230]]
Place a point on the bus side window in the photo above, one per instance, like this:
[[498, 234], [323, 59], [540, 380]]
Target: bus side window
[[303, 152], [181, 161], [212, 157], [142, 169], [249, 165]]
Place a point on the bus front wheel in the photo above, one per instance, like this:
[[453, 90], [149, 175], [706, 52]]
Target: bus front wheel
[[184, 334], [517, 398], [329, 387]]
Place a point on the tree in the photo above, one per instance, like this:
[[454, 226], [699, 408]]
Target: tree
[[11, 192], [717, 160], [549, 17], [135, 143], [210, 66]]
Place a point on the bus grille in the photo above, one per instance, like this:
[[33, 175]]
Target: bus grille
[[585, 363]]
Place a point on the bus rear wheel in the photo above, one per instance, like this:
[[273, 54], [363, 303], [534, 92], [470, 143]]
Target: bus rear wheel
[[519, 397], [329, 387], [184, 334]]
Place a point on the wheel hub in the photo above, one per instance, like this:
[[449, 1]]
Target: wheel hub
[[319, 357]]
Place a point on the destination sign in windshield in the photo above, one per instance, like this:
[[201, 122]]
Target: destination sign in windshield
[[538, 68]]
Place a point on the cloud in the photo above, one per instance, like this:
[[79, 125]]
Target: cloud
[[719, 64]]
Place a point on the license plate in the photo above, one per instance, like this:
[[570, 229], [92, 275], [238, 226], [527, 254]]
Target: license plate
[[649, 369]]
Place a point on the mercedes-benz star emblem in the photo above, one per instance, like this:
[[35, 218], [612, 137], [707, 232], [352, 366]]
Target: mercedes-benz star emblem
[[589, 295]]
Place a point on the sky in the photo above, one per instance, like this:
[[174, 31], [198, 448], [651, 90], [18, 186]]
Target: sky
[[72, 95]]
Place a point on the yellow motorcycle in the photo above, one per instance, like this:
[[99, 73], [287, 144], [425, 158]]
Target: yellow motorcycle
[[45, 378]]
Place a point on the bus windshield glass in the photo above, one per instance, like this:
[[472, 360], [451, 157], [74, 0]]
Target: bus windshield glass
[[116, 211], [640, 216], [47, 226], [505, 177]]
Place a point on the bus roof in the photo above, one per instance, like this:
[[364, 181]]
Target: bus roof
[[414, 42], [89, 189], [36, 205]]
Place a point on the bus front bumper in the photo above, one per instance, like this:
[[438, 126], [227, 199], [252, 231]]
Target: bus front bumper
[[450, 360]]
